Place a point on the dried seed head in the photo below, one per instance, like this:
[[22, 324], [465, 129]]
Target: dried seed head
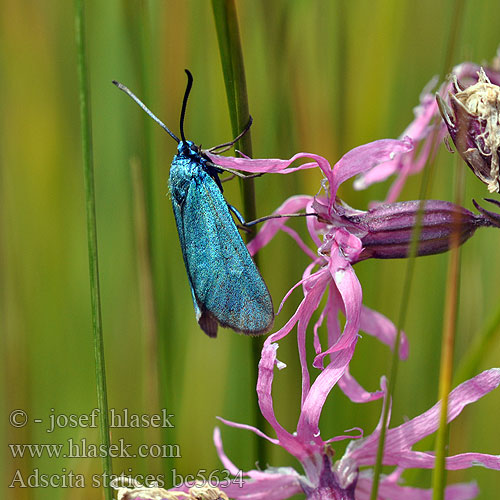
[[474, 126]]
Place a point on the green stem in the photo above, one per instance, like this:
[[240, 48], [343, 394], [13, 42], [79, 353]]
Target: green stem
[[424, 189], [410, 268], [448, 346], [228, 35], [452, 298], [446, 372], [410, 271], [88, 168]]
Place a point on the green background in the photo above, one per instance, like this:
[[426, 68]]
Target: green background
[[322, 77]]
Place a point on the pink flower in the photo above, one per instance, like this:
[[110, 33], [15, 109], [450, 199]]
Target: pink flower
[[345, 236], [342, 480], [337, 252], [426, 131], [331, 271]]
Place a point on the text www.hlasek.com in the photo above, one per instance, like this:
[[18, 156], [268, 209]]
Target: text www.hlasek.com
[[82, 449]]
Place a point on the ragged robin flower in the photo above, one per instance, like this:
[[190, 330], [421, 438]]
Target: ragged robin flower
[[350, 476], [345, 236]]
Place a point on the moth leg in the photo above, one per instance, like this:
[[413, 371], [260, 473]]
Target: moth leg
[[229, 145], [234, 173], [246, 224]]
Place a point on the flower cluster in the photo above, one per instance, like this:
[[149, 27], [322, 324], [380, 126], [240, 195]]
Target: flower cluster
[[343, 237]]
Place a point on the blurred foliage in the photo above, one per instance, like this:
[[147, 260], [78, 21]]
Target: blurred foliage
[[322, 77]]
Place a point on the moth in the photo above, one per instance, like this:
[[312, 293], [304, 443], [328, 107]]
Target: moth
[[226, 286]]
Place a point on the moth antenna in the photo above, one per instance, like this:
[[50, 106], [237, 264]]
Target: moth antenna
[[146, 109], [184, 102]]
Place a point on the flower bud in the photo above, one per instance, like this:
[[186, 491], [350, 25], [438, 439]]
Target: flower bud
[[474, 126], [387, 230]]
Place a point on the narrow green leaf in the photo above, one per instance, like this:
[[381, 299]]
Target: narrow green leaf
[[228, 35], [88, 170]]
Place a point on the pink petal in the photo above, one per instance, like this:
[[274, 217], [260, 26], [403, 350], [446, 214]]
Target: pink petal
[[389, 490], [317, 326], [347, 436], [424, 112], [222, 454], [315, 227], [418, 129], [334, 305], [299, 242], [314, 287], [422, 460], [247, 427], [268, 486], [468, 392], [347, 383], [378, 174], [364, 158], [357, 394], [466, 460], [308, 425], [264, 388], [307, 276], [400, 439], [272, 226], [412, 163], [318, 281], [269, 165], [312, 299], [348, 287]]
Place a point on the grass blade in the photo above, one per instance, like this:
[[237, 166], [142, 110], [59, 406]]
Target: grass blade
[[228, 35], [88, 170]]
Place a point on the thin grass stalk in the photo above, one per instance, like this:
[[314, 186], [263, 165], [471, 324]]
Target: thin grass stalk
[[447, 351], [228, 35], [403, 309], [424, 189], [427, 177], [452, 298], [88, 169]]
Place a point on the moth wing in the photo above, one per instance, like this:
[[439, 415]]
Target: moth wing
[[207, 323], [226, 284]]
